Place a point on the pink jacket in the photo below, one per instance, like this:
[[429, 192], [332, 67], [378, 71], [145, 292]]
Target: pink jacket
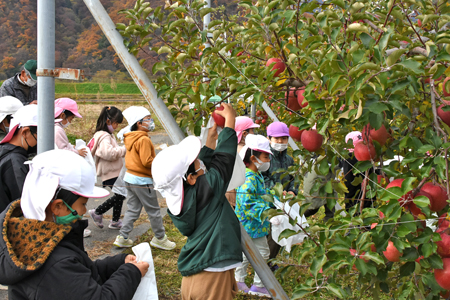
[[107, 155], [61, 140]]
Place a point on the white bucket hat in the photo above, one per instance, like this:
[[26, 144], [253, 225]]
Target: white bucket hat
[[132, 114], [53, 169], [25, 116], [169, 167], [8, 106], [255, 142]]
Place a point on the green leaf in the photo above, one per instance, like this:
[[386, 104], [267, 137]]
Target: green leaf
[[335, 289], [324, 167], [412, 65], [425, 148], [317, 264], [378, 107], [421, 201], [205, 11], [407, 269], [287, 233], [394, 56], [375, 257]]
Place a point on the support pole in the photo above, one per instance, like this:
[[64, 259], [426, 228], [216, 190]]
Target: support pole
[[46, 84], [175, 133]]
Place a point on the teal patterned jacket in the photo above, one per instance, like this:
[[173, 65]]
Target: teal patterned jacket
[[250, 205]]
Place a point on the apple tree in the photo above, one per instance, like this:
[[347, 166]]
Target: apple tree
[[329, 68]]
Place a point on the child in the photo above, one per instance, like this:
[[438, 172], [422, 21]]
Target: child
[[42, 251], [194, 181], [66, 109], [250, 206], [8, 107], [244, 126], [138, 180], [108, 161], [278, 135]]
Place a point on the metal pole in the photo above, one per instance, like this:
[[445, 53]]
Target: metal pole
[[46, 84], [175, 133], [135, 70]]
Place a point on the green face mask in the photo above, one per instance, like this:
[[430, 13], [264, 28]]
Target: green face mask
[[70, 217]]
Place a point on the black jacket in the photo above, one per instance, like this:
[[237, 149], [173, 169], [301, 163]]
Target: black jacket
[[12, 173], [13, 87], [48, 261]]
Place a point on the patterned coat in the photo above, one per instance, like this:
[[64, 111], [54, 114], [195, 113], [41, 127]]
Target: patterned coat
[[250, 205]]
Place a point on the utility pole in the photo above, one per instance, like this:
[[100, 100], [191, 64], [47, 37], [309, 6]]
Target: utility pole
[[45, 80]]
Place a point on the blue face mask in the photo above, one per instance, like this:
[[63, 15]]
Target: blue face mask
[[70, 217]]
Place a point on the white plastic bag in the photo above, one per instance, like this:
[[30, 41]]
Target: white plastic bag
[[119, 186], [80, 144], [282, 222], [147, 289]]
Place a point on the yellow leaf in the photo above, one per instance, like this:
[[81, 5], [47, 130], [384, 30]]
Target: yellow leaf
[[267, 50], [280, 82]]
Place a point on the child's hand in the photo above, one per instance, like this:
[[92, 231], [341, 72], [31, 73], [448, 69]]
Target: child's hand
[[228, 113], [142, 266], [130, 259], [82, 152]]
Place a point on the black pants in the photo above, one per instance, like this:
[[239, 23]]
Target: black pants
[[115, 202]]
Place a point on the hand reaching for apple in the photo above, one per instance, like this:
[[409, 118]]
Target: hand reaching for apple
[[228, 113]]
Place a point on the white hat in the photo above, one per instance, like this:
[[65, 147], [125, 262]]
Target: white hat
[[169, 167], [8, 106], [53, 169], [133, 114], [25, 116], [255, 142]]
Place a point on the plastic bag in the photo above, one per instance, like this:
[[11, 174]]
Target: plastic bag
[[147, 289], [119, 186], [80, 144], [280, 223]]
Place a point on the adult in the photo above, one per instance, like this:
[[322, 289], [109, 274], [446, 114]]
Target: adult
[[8, 107], [23, 85]]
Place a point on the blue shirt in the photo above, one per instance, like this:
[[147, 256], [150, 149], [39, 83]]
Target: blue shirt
[[137, 180], [250, 205]]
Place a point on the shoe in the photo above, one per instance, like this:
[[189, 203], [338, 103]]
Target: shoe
[[122, 242], [98, 219], [164, 243], [259, 291], [273, 267], [115, 225], [242, 287], [86, 233]]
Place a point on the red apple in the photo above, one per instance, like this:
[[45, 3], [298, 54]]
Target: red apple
[[443, 223], [279, 65], [301, 99], [418, 259], [311, 140], [381, 135], [263, 121], [243, 61], [365, 151], [444, 115], [240, 53], [391, 253], [427, 80], [381, 214], [443, 246], [258, 113], [373, 248], [373, 225], [445, 91], [445, 295], [405, 199], [295, 133], [220, 121], [258, 122], [442, 276], [419, 22], [292, 100], [438, 196]]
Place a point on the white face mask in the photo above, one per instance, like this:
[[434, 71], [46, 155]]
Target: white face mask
[[65, 125], [30, 82], [278, 147], [262, 166]]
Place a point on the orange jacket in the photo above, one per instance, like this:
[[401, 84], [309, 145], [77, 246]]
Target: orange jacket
[[140, 153]]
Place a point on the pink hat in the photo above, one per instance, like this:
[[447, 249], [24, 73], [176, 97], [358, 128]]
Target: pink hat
[[243, 123], [63, 104], [277, 129], [356, 136]]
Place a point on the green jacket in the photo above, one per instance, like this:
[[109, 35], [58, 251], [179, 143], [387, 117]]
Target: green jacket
[[279, 160], [208, 221]]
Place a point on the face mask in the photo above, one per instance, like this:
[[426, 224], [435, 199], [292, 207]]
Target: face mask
[[202, 167], [30, 82], [30, 150], [110, 129], [150, 126], [7, 129], [65, 125], [262, 166], [69, 218], [279, 147]]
